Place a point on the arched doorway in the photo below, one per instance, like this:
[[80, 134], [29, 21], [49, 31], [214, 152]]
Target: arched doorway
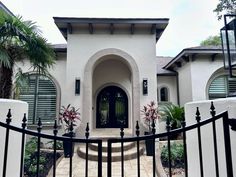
[[112, 108]]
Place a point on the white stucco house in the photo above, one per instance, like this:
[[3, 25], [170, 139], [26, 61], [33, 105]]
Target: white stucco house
[[109, 69], [195, 74]]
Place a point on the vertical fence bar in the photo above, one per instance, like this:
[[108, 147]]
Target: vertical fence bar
[[86, 162], [122, 150], [22, 146], [185, 149], [39, 128], [213, 113], [100, 158], [109, 160], [138, 153], [71, 148], [8, 121], [55, 131], [153, 148], [228, 154], [198, 118], [168, 145]]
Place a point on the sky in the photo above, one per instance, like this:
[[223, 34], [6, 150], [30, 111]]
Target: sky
[[191, 21]]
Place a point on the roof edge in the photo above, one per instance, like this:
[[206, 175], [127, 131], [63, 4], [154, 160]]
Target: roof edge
[[193, 50]]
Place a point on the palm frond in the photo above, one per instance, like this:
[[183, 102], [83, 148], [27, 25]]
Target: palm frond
[[4, 58], [174, 113], [21, 82]]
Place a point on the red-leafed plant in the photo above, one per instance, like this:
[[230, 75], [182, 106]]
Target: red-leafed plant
[[150, 112], [69, 115]]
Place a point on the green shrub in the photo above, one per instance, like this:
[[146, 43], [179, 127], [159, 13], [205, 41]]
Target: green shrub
[[59, 144], [30, 161], [45, 160], [177, 155]]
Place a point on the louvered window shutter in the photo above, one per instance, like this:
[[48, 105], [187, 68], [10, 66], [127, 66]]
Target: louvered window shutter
[[218, 88], [232, 86], [41, 97]]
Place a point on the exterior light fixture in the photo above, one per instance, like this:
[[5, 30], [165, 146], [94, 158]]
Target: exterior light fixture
[[77, 86], [228, 40], [145, 86]]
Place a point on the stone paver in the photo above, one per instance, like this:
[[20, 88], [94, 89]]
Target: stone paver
[[130, 169]]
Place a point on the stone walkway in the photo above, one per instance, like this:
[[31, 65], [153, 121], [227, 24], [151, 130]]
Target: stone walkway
[[79, 167]]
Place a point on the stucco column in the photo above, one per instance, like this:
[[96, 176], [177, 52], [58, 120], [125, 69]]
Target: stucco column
[[221, 105], [18, 108]]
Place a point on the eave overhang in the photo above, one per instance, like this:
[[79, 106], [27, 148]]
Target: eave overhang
[[151, 25], [186, 53]]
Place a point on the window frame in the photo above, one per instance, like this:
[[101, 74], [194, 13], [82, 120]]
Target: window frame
[[36, 94], [227, 82], [166, 94]]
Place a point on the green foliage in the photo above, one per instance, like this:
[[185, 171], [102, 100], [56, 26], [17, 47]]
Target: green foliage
[[21, 39], [211, 41], [173, 113], [59, 145], [177, 155], [45, 160], [30, 161], [225, 7]]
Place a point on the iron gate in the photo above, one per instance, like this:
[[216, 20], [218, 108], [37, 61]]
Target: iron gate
[[137, 139]]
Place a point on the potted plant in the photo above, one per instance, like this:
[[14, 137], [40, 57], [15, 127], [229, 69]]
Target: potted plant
[[69, 116], [150, 112]]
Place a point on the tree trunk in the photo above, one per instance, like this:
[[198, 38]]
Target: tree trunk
[[6, 82]]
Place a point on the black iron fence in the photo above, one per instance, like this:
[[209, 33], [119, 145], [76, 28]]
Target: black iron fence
[[137, 139]]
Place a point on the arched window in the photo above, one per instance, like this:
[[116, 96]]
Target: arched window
[[164, 94], [222, 87], [41, 95]]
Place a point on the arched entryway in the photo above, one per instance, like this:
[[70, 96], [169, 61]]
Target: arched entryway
[[95, 78], [112, 108]]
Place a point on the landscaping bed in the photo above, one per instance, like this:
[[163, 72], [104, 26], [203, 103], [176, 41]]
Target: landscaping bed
[[177, 157], [45, 160]]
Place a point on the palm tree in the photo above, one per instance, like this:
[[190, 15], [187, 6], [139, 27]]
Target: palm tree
[[21, 39]]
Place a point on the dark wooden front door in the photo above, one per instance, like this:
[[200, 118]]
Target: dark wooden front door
[[112, 108]]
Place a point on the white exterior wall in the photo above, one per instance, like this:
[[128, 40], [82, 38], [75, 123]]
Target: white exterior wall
[[81, 47], [170, 83], [201, 72], [194, 78], [18, 108], [185, 84], [207, 137]]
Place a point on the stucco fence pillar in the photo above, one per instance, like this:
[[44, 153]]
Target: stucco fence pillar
[[221, 105], [18, 108]]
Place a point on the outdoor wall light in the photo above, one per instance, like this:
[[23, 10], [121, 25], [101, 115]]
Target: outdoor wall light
[[77, 86], [228, 38], [145, 86]]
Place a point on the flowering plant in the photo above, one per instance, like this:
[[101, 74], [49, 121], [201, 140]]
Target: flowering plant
[[150, 113], [69, 115]]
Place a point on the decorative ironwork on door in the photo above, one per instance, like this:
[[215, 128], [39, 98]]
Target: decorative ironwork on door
[[112, 108]]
